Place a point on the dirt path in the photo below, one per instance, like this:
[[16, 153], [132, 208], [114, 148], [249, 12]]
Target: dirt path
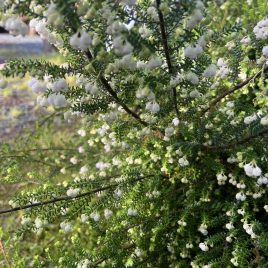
[[12, 47], [18, 109]]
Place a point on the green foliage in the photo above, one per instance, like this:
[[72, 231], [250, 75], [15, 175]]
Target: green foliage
[[145, 159]]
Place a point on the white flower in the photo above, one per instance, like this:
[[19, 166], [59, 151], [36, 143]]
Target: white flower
[[138, 252], [241, 211], [83, 263], [40, 27], [252, 170], [95, 216], [194, 94], [127, 62], [175, 121], [248, 228], [144, 31], [221, 178], [38, 223], [107, 213], [229, 226], [174, 81], [192, 77], [16, 26], [81, 149], [183, 162], [84, 218], [193, 51], [12, 203], [153, 63], [249, 119], [203, 246], [26, 220], [64, 211], [229, 239], [63, 170], [189, 245], [261, 29], [264, 121], [85, 41], [32, 81], [248, 168], [223, 68], [83, 170], [210, 71], [195, 19], [143, 93], [73, 192], [132, 212], [59, 85], [57, 100], [152, 12], [91, 88], [141, 64], [80, 41], [152, 107], [66, 227], [240, 196], [234, 261], [169, 131], [121, 46], [203, 229], [202, 41], [101, 165], [245, 40], [75, 41], [53, 15], [74, 160], [241, 185], [266, 208], [81, 132], [37, 86], [118, 193], [262, 180]]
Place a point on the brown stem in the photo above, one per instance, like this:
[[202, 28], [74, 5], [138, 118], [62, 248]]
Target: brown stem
[[4, 254], [230, 91], [166, 51], [232, 145], [65, 198], [57, 199], [109, 89]]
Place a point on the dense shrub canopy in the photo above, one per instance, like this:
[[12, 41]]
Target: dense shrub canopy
[[168, 167]]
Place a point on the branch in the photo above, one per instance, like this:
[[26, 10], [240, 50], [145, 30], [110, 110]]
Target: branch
[[109, 89], [232, 145], [166, 50], [66, 198], [5, 254], [55, 200], [230, 91]]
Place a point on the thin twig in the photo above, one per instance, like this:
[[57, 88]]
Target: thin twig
[[109, 89], [166, 50], [230, 91], [57, 199], [66, 198], [4, 254], [232, 145]]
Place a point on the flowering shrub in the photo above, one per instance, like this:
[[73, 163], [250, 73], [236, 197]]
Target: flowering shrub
[[170, 167]]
